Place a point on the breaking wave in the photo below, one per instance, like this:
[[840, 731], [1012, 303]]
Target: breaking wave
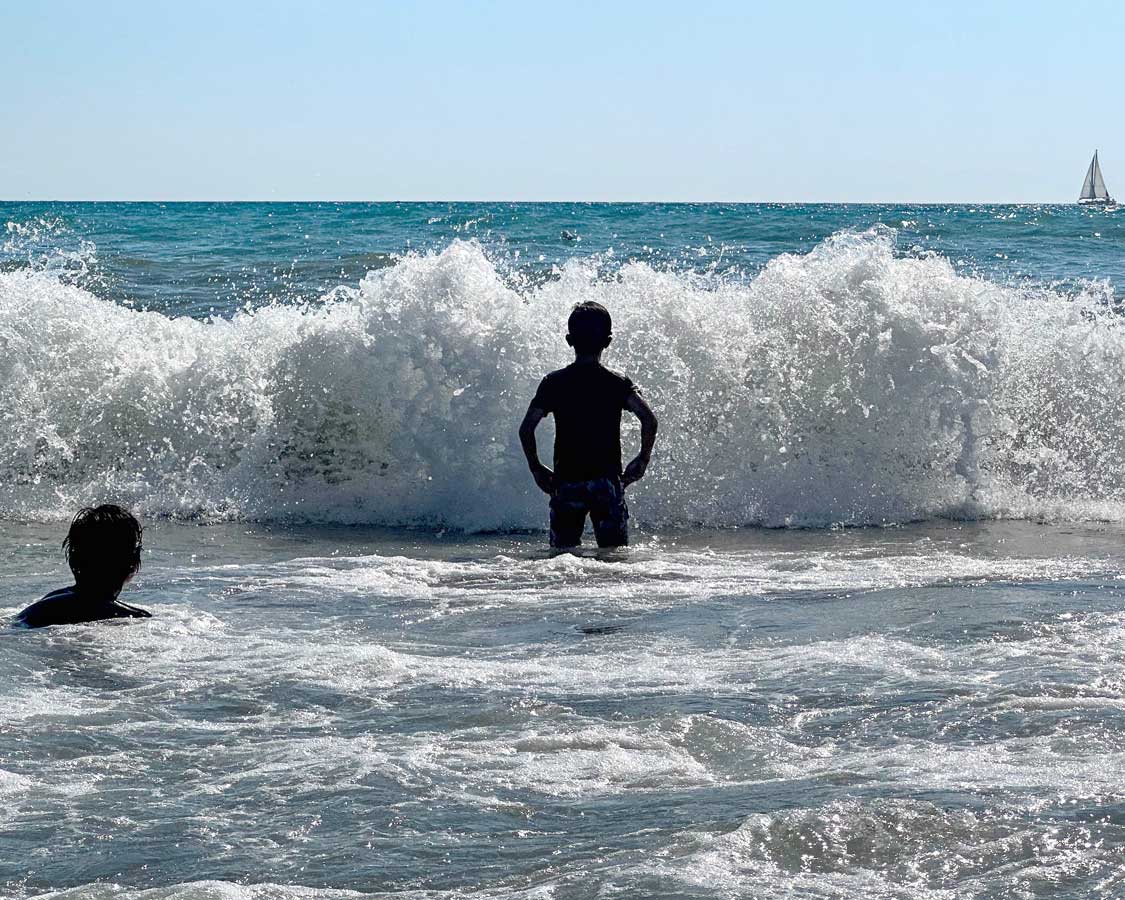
[[846, 386]]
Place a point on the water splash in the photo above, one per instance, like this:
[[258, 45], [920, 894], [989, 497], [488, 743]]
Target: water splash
[[48, 244], [845, 386]]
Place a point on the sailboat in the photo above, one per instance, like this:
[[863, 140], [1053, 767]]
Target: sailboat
[[1093, 188]]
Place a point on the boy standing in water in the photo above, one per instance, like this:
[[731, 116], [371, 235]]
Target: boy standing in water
[[587, 399], [103, 549]]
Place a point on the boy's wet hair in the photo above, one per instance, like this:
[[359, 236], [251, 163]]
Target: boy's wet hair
[[589, 328], [103, 545]]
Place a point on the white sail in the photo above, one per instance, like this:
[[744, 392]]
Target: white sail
[[1100, 193], [1088, 185], [1093, 188]]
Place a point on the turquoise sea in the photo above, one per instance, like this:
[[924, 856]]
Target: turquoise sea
[[204, 258], [867, 641]]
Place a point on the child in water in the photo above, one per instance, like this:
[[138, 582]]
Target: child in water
[[103, 549], [586, 400]]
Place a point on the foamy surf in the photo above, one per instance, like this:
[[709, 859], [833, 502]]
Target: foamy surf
[[849, 385], [327, 713]]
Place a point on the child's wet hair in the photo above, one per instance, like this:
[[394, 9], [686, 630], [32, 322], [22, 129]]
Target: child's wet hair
[[103, 544], [590, 327]]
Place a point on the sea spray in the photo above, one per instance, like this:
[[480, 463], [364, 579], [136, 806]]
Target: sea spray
[[849, 385]]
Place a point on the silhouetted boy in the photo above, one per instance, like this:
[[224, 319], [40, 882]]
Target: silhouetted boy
[[103, 549], [587, 399]]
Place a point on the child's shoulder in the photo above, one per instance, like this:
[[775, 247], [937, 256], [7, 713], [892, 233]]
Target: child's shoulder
[[619, 378], [61, 593], [580, 376], [54, 598], [44, 610]]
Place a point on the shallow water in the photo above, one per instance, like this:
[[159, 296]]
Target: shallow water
[[325, 706], [932, 710]]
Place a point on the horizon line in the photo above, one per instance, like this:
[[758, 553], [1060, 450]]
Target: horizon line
[[560, 202]]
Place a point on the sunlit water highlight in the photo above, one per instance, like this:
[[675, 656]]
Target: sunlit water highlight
[[329, 705], [913, 712]]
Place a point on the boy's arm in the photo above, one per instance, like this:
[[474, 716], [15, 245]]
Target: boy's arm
[[543, 476], [636, 404]]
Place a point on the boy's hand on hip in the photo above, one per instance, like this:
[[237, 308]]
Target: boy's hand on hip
[[544, 478], [634, 471]]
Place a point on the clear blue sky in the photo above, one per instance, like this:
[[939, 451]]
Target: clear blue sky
[[702, 100]]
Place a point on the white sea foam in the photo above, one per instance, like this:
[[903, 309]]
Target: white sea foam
[[809, 714], [882, 849], [848, 385]]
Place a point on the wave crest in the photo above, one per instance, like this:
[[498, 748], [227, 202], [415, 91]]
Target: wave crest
[[844, 386]]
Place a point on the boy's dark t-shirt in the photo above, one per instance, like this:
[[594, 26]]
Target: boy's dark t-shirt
[[586, 400]]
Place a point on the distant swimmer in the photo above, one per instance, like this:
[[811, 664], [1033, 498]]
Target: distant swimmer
[[586, 400], [103, 549], [568, 235]]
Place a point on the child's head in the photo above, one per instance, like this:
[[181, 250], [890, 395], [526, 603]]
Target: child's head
[[589, 328], [103, 546]]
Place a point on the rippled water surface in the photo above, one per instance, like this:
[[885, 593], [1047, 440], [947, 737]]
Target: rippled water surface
[[366, 676], [925, 711]]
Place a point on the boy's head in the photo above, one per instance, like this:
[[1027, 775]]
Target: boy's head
[[103, 546], [589, 328]]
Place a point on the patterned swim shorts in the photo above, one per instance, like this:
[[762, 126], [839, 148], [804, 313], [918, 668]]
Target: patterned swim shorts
[[603, 499]]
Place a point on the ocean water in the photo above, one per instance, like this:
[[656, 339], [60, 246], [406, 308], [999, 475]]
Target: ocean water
[[867, 643]]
